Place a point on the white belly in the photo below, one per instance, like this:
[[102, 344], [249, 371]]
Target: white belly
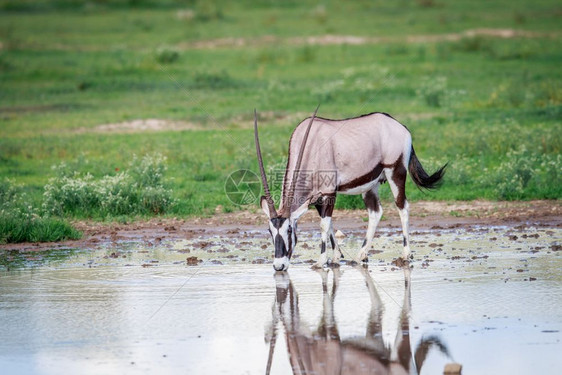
[[360, 189]]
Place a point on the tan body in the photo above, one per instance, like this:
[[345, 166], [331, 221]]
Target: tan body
[[352, 148]]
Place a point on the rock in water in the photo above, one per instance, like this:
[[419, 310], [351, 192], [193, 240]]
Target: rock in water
[[452, 369]]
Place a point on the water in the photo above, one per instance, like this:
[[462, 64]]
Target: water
[[124, 308]]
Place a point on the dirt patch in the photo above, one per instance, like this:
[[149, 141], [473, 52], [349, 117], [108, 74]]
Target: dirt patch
[[158, 125], [142, 125], [323, 40], [238, 122], [251, 223]]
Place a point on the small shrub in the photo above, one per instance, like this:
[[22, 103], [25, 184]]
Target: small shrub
[[267, 56], [473, 44], [519, 18], [84, 85], [508, 51], [208, 10], [167, 56], [525, 172], [8, 192], [306, 54], [433, 91], [137, 191], [220, 80], [547, 94], [320, 14], [5, 66], [148, 170], [522, 93]]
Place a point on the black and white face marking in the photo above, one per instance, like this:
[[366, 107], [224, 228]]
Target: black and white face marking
[[284, 239]]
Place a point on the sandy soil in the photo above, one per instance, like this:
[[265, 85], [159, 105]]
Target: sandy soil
[[330, 39], [141, 125], [238, 122], [424, 215], [323, 40]]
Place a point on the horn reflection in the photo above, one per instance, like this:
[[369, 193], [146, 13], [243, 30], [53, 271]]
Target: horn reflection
[[323, 351]]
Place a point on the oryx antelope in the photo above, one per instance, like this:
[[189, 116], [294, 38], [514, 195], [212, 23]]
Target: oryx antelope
[[351, 156]]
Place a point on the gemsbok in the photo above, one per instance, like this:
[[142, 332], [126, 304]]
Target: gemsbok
[[350, 156]]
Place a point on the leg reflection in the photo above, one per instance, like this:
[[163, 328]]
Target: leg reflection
[[323, 351]]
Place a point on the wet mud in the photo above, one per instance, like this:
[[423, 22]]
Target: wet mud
[[474, 298]]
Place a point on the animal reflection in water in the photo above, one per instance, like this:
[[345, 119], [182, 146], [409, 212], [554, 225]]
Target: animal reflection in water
[[325, 352]]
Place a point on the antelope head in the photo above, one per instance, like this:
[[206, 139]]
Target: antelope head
[[282, 225]]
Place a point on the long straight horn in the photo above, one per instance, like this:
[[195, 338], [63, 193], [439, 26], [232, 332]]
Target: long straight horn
[[298, 165], [270, 203]]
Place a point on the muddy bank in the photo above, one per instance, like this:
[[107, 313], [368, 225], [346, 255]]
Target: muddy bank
[[252, 223]]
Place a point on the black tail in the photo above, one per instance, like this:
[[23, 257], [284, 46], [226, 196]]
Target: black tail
[[420, 176]]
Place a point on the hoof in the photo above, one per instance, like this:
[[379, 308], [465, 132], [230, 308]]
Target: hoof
[[337, 255], [362, 256]]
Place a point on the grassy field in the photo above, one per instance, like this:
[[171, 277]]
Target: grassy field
[[488, 102]]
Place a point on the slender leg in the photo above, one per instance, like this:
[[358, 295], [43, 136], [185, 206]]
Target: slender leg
[[325, 224], [328, 327], [397, 181], [325, 208], [374, 323], [402, 350], [374, 209], [404, 218], [335, 247]]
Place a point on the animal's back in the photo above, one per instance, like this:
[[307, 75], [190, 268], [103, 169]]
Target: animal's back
[[353, 146]]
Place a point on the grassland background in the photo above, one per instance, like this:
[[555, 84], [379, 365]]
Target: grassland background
[[490, 106]]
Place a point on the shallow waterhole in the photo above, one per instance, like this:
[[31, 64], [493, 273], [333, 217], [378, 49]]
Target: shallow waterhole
[[488, 298]]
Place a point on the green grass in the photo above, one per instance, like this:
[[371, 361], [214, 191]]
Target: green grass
[[16, 229], [21, 220], [492, 107]]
